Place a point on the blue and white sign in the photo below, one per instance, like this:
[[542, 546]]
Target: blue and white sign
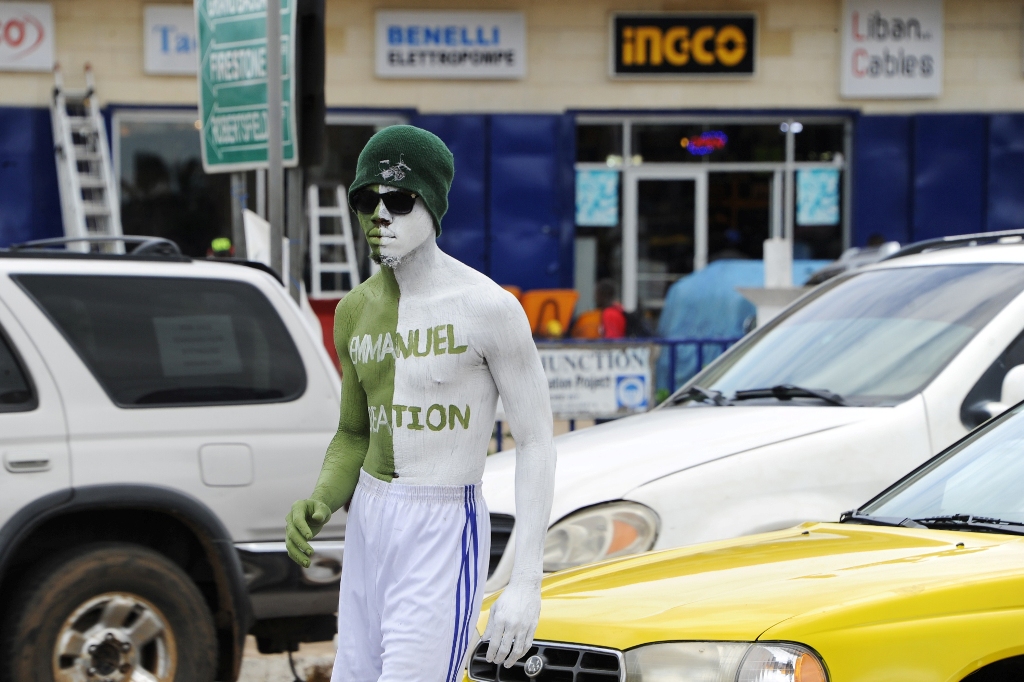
[[597, 198], [169, 40], [817, 196], [597, 381], [631, 391], [457, 45]]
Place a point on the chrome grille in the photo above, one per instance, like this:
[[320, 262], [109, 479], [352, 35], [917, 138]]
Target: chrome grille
[[501, 531], [562, 663]]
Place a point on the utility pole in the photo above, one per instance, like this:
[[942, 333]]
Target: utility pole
[[275, 165]]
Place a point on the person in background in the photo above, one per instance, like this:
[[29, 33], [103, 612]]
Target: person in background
[[613, 316]]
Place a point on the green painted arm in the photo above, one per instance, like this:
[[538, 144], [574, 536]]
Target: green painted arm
[[344, 458]]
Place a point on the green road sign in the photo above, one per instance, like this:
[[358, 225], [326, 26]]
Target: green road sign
[[233, 83]]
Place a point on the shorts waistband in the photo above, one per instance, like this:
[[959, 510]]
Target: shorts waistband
[[457, 494]]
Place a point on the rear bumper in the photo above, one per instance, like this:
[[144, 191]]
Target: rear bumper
[[280, 588]]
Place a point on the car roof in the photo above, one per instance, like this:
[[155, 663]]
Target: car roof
[[14, 264], [1010, 253]]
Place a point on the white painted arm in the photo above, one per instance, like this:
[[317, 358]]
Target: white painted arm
[[516, 368]]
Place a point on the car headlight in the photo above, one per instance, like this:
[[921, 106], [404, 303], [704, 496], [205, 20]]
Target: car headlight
[[602, 532], [778, 662], [723, 662], [685, 662]]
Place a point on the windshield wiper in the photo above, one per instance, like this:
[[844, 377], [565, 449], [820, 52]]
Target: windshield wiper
[[985, 524], [701, 394], [788, 392], [868, 520]]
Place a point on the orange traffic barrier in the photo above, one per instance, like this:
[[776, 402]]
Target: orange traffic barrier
[[514, 290], [546, 306], [587, 325]]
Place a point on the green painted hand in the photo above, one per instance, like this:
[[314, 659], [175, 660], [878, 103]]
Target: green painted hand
[[305, 520]]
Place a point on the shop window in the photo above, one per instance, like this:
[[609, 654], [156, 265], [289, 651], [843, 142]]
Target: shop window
[[739, 214], [164, 190], [819, 142], [171, 341], [678, 143], [599, 144]]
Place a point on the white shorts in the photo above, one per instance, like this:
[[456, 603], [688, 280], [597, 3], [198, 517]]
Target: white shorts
[[416, 560]]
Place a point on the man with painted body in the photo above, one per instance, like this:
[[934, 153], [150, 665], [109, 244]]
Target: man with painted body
[[426, 347]]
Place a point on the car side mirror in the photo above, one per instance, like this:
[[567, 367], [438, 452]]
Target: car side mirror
[[1013, 387], [1012, 393]]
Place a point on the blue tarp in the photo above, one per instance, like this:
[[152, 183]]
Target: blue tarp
[[706, 305]]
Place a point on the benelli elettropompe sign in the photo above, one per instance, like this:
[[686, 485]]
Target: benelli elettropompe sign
[[683, 44]]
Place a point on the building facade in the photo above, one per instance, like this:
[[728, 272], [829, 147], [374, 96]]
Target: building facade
[[624, 139]]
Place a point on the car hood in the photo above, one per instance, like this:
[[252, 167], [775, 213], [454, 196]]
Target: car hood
[[814, 576], [605, 462]]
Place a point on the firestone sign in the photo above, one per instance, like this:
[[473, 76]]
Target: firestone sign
[[26, 36], [232, 36], [892, 49]]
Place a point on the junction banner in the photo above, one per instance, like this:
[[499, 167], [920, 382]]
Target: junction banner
[[598, 381]]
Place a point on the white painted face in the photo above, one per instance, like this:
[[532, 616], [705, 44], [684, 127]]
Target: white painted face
[[396, 236]]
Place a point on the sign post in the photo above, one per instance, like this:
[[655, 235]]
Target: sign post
[[233, 63]]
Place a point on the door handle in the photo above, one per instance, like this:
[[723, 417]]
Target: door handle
[[27, 462]]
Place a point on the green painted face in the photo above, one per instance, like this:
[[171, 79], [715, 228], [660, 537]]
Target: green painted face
[[370, 230]]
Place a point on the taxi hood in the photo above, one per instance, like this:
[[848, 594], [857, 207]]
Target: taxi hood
[[779, 585], [605, 462]]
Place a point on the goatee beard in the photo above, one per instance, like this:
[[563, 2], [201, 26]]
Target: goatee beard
[[389, 261]]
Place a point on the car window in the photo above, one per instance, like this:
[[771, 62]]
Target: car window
[[874, 338], [982, 475], [163, 341], [16, 394]]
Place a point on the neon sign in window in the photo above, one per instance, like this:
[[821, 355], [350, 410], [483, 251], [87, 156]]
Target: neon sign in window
[[704, 143]]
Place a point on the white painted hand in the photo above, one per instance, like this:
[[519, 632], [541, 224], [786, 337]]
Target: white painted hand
[[511, 625]]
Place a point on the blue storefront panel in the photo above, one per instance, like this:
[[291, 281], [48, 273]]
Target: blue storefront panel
[[29, 199], [950, 168], [531, 223], [882, 171], [1006, 172], [465, 225]]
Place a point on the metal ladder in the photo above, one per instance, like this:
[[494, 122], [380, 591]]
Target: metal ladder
[[333, 251], [88, 194]]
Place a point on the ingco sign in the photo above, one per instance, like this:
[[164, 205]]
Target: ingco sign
[[683, 44]]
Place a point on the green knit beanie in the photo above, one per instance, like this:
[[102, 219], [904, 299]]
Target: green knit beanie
[[409, 158]]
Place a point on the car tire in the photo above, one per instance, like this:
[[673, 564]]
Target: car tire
[[103, 612]]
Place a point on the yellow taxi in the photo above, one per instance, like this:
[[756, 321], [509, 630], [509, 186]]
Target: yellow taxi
[[923, 583]]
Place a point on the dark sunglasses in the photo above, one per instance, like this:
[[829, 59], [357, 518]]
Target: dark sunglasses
[[399, 203]]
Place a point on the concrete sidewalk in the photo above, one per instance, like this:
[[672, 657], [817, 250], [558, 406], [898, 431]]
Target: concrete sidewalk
[[313, 663]]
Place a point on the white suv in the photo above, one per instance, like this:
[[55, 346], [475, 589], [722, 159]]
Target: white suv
[[857, 383], [158, 416]]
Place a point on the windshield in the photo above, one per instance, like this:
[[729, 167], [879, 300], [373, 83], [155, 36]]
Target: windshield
[[981, 476], [874, 338]]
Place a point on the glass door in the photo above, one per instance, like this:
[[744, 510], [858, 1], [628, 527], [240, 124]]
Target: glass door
[[665, 233]]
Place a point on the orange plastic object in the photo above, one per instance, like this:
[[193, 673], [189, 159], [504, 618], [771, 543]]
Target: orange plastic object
[[544, 305], [587, 325], [514, 290], [324, 309]]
